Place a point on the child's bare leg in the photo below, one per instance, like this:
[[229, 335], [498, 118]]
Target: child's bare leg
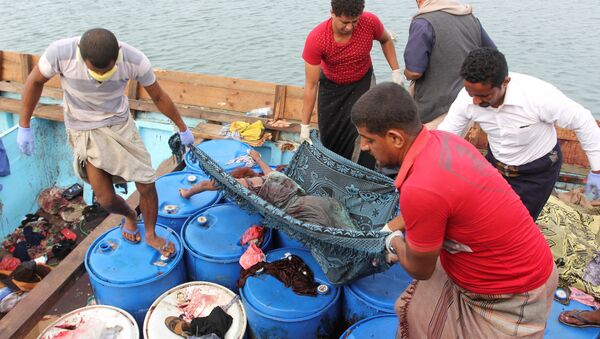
[[264, 167], [206, 185]]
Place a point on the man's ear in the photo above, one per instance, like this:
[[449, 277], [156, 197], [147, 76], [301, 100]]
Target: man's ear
[[396, 138]]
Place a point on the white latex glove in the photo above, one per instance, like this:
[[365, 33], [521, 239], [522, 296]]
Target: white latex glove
[[305, 133], [592, 188], [389, 238], [25, 140], [398, 77], [187, 138]]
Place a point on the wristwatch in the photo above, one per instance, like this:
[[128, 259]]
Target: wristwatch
[[389, 238]]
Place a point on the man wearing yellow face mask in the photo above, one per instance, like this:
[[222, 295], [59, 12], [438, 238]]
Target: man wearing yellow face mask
[[94, 70]]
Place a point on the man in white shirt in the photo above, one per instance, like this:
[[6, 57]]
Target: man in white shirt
[[518, 112]]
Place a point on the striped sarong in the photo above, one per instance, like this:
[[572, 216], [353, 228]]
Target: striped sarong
[[438, 308]]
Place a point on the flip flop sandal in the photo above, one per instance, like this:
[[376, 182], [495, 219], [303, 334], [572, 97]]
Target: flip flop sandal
[[178, 326], [134, 234], [576, 315], [165, 248]]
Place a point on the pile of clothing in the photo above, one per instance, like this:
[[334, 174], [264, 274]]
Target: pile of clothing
[[16, 281], [571, 226], [51, 233], [193, 303], [251, 133], [292, 271]]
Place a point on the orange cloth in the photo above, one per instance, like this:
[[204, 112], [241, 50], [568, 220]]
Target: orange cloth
[[252, 233], [252, 256]]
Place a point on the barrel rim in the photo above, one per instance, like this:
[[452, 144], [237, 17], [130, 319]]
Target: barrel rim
[[317, 312], [368, 300], [90, 307], [357, 324], [185, 285], [223, 259], [195, 167], [218, 197], [174, 262]]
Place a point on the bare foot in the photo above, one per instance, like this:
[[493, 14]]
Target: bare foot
[[580, 318], [185, 193], [165, 248]]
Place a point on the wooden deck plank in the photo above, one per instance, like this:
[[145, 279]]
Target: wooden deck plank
[[20, 320]]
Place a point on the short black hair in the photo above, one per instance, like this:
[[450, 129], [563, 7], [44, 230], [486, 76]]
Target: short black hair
[[99, 46], [384, 107], [351, 8], [485, 65]]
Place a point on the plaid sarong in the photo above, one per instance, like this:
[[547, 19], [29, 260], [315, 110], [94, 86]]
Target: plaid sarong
[[438, 308]]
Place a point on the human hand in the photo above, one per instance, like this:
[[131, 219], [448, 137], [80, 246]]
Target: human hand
[[25, 140], [398, 77], [592, 187], [391, 258], [187, 138], [254, 155], [389, 238], [305, 133]]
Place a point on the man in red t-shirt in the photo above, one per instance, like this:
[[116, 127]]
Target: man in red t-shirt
[[338, 66], [495, 276]]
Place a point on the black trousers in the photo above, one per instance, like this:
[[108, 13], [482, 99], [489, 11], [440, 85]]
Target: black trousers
[[336, 131], [534, 181]]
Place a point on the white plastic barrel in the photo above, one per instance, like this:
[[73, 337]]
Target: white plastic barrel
[[166, 305], [90, 321]]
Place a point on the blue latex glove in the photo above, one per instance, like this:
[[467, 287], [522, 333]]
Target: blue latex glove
[[187, 138], [592, 188], [25, 140]]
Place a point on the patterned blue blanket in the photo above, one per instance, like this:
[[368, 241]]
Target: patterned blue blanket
[[370, 197]]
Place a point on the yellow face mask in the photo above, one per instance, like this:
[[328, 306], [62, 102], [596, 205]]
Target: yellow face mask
[[103, 77], [106, 75]]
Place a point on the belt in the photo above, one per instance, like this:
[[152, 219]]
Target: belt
[[509, 171]]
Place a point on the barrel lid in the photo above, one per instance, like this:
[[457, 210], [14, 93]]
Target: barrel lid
[[170, 202], [382, 289], [221, 151], [269, 296], [379, 326], [114, 260], [215, 232], [95, 316], [213, 295]]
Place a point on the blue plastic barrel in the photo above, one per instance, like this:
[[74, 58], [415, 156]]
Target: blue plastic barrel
[[212, 239], [556, 329], [131, 276], [379, 326], [374, 294], [275, 311], [282, 239], [221, 151], [173, 210]]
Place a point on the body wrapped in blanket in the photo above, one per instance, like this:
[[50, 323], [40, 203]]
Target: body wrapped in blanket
[[285, 194]]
